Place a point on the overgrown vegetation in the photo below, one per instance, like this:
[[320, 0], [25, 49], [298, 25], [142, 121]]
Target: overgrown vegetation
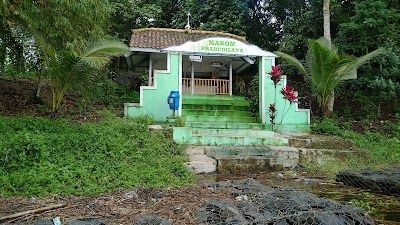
[[39, 156], [382, 148]]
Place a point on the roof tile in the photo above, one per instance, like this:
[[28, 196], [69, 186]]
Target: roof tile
[[160, 38]]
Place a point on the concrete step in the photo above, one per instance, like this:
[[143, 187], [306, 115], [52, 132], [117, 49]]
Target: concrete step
[[219, 119], [226, 125], [201, 164], [214, 100], [212, 97], [236, 140], [311, 155], [217, 151], [215, 107], [245, 164], [252, 159], [232, 132], [320, 142], [217, 102], [209, 112]]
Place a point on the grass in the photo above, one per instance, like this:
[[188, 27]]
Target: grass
[[41, 157], [379, 149]]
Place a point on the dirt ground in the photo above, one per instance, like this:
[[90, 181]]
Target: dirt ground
[[17, 97], [179, 205]]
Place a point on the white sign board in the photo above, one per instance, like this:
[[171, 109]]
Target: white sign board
[[221, 46], [196, 58]]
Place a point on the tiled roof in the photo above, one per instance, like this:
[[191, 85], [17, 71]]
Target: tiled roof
[[160, 38]]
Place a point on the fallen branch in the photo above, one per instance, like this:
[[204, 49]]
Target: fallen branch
[[16, 215]]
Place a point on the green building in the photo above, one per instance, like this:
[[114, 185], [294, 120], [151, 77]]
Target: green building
[[209, 70]]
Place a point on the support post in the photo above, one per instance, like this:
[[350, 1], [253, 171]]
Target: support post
[[261, 84], [230, 77], [150, 71], [192, 80]]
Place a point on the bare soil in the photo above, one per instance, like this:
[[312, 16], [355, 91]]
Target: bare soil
[[179, 205], [17, 98]]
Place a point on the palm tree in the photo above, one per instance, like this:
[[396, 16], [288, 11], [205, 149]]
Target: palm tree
[[326, 11], [326, 68], [71, 69]]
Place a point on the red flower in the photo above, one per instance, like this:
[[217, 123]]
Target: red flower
[[289, 94], [276, 74]]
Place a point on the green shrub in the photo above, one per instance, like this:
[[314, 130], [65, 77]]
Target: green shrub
[[326, 126], [145, 120], [39, 156]]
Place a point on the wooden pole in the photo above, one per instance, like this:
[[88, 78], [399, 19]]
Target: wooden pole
[[16, 215]]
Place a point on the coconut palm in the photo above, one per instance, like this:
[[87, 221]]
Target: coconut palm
[[71, 69], [326, 68]]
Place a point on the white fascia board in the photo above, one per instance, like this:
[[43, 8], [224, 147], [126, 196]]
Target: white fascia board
[[135, 49], [197, 47]]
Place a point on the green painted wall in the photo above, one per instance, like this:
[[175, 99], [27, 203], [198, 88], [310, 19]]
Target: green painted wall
[[154, 99], [295, 119]]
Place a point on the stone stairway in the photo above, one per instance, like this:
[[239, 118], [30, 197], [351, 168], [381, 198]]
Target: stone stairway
[[224, 137], [221, 121]]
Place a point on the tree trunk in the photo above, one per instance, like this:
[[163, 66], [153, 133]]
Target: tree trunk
[[331, 102], [327, 20], [39, 84], [3, 50], [327, 35]]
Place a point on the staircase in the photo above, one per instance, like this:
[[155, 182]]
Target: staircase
[[222, 121]]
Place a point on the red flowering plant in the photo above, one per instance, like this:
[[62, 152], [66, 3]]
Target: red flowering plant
[[287, 91], [289, 94], [276, 74]]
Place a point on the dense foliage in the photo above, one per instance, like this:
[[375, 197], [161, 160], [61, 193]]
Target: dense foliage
[[31, 31], [40, 156]]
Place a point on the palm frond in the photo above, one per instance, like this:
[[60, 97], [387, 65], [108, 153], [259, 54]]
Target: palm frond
[[349, 65], [293, 61], [97, 54], [365, 58]]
